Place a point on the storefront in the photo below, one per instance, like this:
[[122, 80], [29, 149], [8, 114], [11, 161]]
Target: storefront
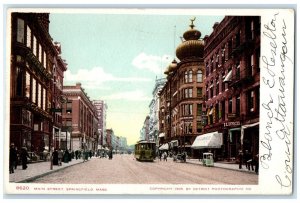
[[233, 142], [209, 142], [250, 138]]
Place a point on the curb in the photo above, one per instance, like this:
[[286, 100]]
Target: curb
[[27, 180], [232, 169]]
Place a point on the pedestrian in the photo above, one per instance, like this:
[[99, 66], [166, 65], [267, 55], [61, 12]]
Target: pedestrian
[[55, 157], [90, 154], [165, 155], [160, 154], [240, 159], [86, 155], [70, 155], [60, 156], [79, 154], [110, 154], [24, 156], [66, 156], [18, 158], [76, 154], [256, 163], [248, 159], [13, 158]]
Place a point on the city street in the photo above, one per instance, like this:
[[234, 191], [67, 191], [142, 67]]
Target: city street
[[125, 169]]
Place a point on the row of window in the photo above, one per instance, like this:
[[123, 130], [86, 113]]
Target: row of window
[[187, 128], [219, 110], [25, 36], [188, 76], [188, 93], [35, 91], [187, 109], [234, 73], [223, 54], [233, 107]]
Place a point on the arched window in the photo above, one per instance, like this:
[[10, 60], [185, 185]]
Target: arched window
[[199, 76], [190, 76], [186, 77]]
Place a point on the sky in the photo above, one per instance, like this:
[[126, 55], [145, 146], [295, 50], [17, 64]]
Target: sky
[[117, 56]]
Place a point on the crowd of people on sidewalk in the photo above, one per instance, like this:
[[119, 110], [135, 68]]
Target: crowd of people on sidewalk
[[251, 162], [58, 157], [14, 158]]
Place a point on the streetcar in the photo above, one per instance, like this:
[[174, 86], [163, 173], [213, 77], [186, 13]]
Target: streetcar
[[145, 150]]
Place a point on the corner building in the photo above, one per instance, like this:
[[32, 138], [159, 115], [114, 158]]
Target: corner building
[[33, 81], [181, 97], [232, 82]]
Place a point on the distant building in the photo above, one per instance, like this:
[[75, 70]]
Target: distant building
[[154, 111], [123, 144], [101, 108], [142, 134], [109, 138], [145, 129], [80, 119]]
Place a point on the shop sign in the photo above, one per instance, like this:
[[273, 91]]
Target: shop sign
[[231, 124], [231, 115], [187, 117]]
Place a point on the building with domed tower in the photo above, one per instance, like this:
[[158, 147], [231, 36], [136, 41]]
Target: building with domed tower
[[182, 97]]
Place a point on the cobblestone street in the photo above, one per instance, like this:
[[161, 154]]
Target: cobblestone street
[[124, 169]]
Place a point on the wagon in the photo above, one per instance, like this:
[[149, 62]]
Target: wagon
[[208, 159]]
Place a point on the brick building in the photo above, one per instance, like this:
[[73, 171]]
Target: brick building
[[232, 81], [181, 97], [80, 119], [110, 137], [33, 91], [58, 75]]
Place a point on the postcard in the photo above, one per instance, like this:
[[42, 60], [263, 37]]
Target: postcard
[[149, 101]]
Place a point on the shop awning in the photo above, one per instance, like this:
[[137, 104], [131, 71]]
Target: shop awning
[[164, 147], [230, 132], [209, 140], [243, 129], [161, 135], [228, 76]]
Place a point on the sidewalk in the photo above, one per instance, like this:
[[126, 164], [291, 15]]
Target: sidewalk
[[225, 165], [39, 169]]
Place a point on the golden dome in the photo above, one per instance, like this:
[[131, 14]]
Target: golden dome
[[171, 68], [192, 47]]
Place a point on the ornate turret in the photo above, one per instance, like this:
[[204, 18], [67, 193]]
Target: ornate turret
[[171, 68], [192, 46]]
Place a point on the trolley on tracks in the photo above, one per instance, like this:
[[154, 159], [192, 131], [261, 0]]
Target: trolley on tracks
[[145, 150]]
